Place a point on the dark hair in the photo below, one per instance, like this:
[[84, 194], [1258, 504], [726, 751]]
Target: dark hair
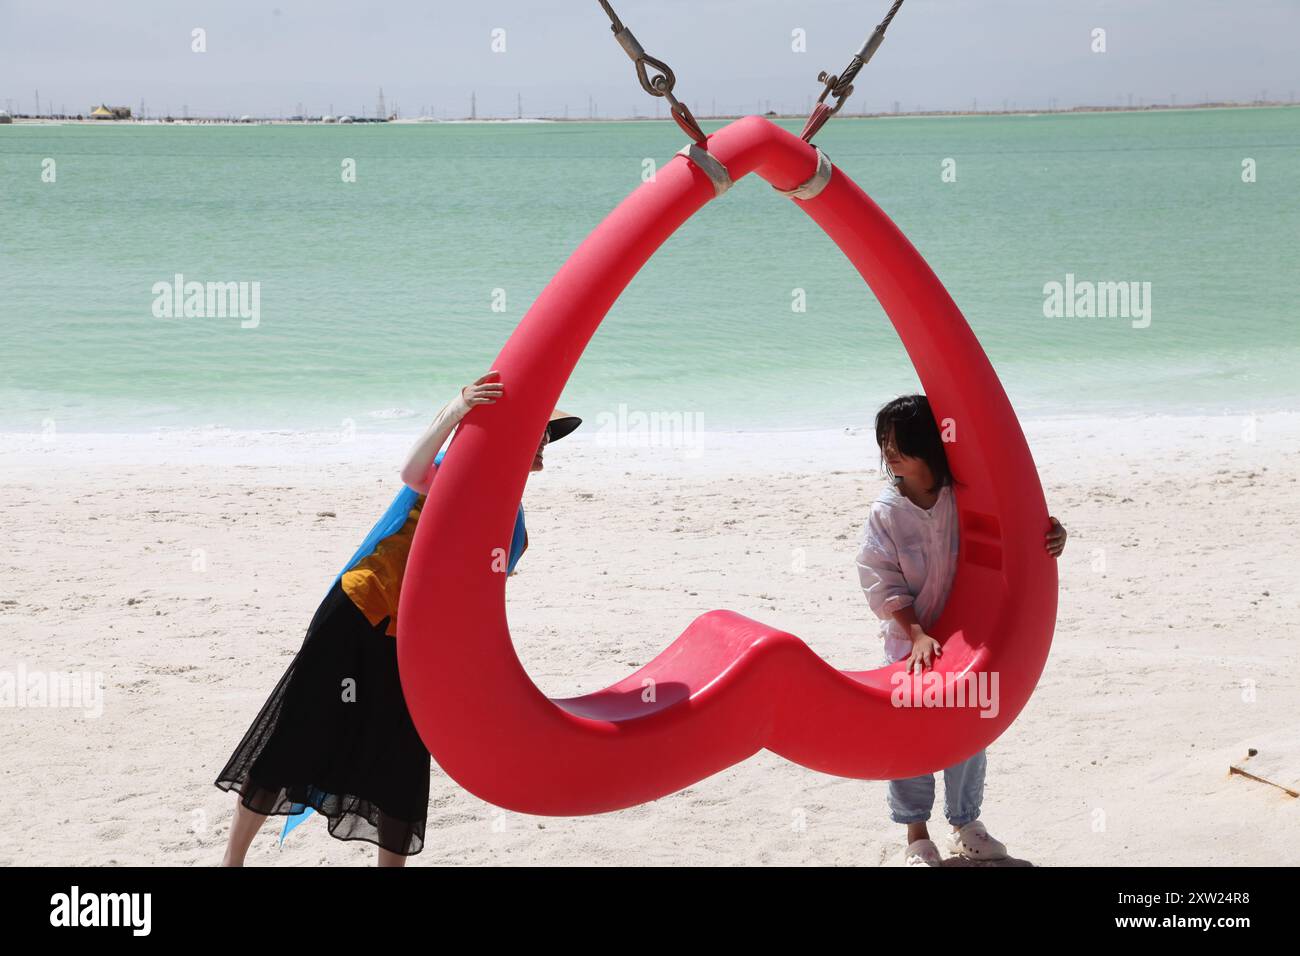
[[915, 435]]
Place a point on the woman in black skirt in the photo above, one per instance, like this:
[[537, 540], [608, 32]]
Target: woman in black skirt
[[335, 733]]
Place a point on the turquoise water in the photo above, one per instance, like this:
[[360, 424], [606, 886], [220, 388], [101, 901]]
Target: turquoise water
[[441, 215]]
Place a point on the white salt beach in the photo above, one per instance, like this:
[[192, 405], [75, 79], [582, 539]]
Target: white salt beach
[[183, 567]]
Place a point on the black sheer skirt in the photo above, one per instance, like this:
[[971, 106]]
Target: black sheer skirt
[[335, 735]]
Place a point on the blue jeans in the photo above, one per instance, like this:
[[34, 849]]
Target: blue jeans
[[911, 799]]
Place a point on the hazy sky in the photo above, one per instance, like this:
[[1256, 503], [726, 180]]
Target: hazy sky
[[264, 57]]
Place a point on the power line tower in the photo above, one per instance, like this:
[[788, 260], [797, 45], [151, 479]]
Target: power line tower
[[473, 105], [379, 106], [519, 106]]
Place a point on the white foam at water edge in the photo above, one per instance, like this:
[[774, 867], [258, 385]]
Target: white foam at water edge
[[1084, 445]]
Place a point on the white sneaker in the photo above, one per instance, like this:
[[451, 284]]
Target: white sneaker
[[922, 853], [974, 843]]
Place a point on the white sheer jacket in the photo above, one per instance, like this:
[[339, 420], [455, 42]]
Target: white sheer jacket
[[907, 555]]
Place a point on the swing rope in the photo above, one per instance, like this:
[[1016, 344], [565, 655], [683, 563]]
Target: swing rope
[[660, 85], [841, 86], [838, 86]]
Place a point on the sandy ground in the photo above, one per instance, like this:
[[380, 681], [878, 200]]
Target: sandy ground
[[182, 568]]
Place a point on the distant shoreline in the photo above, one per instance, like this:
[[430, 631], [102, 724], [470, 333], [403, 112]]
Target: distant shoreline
[[22, 119]]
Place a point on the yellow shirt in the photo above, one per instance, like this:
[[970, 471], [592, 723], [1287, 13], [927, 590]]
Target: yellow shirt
[[375, 582]]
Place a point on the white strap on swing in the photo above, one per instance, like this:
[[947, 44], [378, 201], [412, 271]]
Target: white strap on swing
[[709, 165], [814, 185]]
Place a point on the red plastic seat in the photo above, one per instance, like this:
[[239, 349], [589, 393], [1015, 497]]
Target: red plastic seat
[[729, 686]]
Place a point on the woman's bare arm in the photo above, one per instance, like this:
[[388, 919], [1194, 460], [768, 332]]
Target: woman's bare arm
[[418, 471]]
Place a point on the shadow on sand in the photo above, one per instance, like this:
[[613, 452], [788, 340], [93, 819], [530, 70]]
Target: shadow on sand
[[962, 861]]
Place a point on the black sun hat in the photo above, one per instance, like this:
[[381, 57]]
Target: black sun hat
[[561, 424]]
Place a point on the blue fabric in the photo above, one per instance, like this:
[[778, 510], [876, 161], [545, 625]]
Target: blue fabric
[[388, 524]]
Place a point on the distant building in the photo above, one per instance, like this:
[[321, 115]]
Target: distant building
[[103, 112], [5, 117]]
